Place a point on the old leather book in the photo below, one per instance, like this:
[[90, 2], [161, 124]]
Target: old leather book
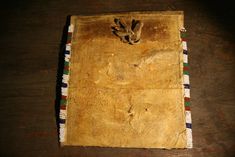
[[124, 83]]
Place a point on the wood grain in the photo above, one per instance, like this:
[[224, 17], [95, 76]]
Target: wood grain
[[31, 34]]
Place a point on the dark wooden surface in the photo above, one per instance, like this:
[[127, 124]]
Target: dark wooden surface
[[31, 34]]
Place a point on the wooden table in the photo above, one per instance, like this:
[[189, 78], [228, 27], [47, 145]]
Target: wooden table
[[31, 37]]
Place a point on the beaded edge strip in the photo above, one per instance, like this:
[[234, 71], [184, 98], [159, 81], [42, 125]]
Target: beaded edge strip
[[64, 87], [186, 83]]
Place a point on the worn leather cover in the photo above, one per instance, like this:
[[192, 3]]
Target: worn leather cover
[[123, 95]]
